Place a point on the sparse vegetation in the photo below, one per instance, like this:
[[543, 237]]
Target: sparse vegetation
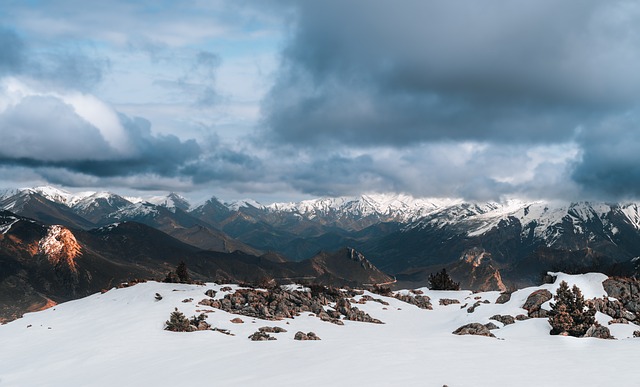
[[442, 281], [568, 315], [180, 276], [177, 322]]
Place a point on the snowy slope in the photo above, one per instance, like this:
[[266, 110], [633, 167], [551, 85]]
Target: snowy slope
[[117, 338]]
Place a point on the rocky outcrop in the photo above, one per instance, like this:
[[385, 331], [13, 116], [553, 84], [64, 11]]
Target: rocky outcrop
[[60, 247], [625, 290], [272, 330], [612, 308], [448, 301], [305, 336], [504, 319], [503, 298], [261, 336], [363, 299], [422, 302], [476, 329], [534, 303], [210, 293], [277, 304]]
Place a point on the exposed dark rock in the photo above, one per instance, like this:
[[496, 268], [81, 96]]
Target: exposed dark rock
[[237, 320], [226, 289], [473, 307], [423, 302], [476, 329], [503, 298], [305, 336], [367, 297], [261, 336], [187, 300], [158, 297], [352, 313], [636, 333], [223, 331], [210, 292], [612, 308], [618, 321], [491, 326], [622, 288], [505, 319], [522, 317], [599, 332], [272, 330], [448, 301], [277, 304], [534, 302]]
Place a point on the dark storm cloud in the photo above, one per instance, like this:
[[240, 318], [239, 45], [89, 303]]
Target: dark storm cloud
[[377, 72], [610, 160]]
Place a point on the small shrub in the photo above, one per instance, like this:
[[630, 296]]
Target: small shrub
[[177, 322], [568, 315]]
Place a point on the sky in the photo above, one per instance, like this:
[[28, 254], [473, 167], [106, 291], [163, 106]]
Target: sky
[[281, 100]]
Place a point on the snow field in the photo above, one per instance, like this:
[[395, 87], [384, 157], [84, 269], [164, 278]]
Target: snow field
[[117, 338]]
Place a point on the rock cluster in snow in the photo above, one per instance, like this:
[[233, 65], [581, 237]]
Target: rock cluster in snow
[[275, 304]]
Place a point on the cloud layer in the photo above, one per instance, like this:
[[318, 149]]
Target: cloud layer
[[481, 100]]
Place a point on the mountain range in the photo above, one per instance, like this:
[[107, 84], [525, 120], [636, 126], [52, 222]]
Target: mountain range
[[484, 246]]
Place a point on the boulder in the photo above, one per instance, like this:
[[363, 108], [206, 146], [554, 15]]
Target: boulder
[[522, 317], [476, 329], [473, 307], [622, 288], [534, 302], [503, 298], [237, 320], [261, 336], [272, 330], [305, 336], [210, 293], [505, 319], [448, 301], [599, 332]]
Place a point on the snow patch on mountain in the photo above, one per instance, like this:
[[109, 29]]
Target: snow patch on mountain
[[171, 201], [399, 207], [135, 210]]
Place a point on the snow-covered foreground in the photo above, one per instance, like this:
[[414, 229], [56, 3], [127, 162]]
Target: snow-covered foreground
[[117, 338]]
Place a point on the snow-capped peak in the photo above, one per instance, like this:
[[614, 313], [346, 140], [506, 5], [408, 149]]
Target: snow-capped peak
[[51, 193], [398, 207], [172, 200]]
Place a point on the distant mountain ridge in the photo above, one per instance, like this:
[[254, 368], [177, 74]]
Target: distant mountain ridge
[[400, 234]]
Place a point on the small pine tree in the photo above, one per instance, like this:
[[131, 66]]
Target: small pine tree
[[442, 281], [177, 322], [568, 314], [183, 273], [171, 278]]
